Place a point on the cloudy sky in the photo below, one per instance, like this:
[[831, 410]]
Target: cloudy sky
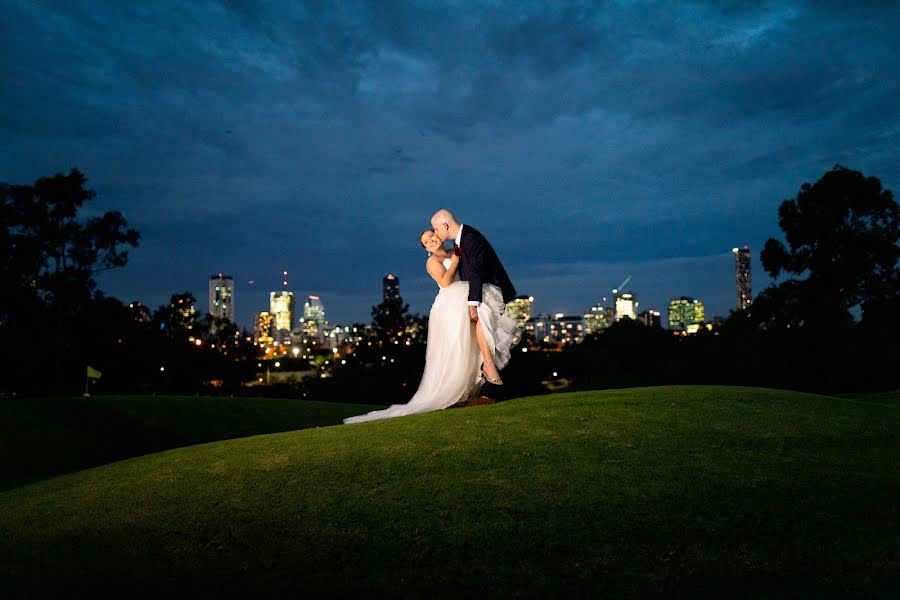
[[589, 142]]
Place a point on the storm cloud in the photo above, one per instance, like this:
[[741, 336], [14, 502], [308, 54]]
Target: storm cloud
[[587, 141]]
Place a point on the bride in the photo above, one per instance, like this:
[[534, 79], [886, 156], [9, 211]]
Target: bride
[[453, 370]]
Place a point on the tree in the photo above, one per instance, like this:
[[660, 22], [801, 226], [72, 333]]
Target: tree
[[389, 318], [178, 319], [53, 256], [20, 257], [841, 233]]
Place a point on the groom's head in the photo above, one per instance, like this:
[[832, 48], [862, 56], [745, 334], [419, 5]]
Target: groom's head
[[444, 224]]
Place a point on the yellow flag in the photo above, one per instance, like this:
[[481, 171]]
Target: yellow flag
[[93, 373]]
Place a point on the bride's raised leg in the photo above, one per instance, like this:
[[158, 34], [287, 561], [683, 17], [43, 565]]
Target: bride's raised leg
[[489, 368]]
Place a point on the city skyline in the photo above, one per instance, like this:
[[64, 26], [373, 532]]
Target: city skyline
[[419, 300], [391, 291], [587, 142]]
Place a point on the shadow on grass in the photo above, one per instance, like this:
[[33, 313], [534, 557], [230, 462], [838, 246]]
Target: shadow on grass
[[44, 437]]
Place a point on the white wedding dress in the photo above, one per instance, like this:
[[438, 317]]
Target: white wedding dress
[[452, 358]]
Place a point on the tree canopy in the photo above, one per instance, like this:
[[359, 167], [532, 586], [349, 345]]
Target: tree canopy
[[51, 256], [841, 234]]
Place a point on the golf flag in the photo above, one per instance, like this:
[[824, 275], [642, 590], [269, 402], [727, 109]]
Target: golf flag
[[93, 373]]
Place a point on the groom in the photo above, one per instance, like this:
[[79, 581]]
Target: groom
[[478, 264]]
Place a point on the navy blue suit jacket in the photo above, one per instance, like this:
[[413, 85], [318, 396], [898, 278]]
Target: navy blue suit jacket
[[479, 264]]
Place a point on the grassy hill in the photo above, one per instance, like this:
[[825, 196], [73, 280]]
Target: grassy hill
[[41, 437], [689, 490]]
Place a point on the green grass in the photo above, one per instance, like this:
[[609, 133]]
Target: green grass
[[669, 490], [892, 397], [41, 437]]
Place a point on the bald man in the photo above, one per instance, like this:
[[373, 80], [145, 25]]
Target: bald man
[[479, 265]]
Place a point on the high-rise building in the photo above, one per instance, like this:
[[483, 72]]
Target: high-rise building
[[686, 314], [281, 306], [598, 318], [391, 289], [558, 329], [520, 309], [314, 310], [262, 328], [221, 297], [742, 277], [314, 317], [626, 306], [651, 318]]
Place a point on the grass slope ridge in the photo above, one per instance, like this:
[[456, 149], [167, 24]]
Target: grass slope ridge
[[42, 437], [632, 492]]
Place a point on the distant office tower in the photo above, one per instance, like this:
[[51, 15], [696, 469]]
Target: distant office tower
[[598, 318], [651, 318], [686, 314], [391, 289], [626, 306], [558, 329], [221, 297], [520, 309], [314, 310], [742, 277], [314, 317], [281, 305], [262, 328]]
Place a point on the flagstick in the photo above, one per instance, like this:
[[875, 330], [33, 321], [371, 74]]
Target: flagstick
[[86, 383]]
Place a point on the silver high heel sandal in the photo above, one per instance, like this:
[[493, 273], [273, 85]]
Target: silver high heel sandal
[[496, 381]]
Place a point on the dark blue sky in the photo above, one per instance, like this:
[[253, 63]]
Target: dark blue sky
[[588, 142]]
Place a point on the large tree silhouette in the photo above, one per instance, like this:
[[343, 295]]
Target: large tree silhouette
[[841, 234], [53, 257]]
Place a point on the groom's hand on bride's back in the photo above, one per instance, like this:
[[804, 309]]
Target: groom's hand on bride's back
[[473, 314]]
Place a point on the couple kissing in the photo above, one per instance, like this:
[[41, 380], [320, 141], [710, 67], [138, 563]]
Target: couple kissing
[[470, 335]]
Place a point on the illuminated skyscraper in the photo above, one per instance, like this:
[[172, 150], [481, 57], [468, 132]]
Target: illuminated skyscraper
[[626, 306], [262, 328], [281, 306], [314, 317], [598, 318], [557, 329], [221, 297], [742, 277], [686, 314], [391, 289], [520, 309]]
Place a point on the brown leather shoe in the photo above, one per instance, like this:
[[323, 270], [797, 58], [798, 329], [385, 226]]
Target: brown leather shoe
[[481, 400]]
